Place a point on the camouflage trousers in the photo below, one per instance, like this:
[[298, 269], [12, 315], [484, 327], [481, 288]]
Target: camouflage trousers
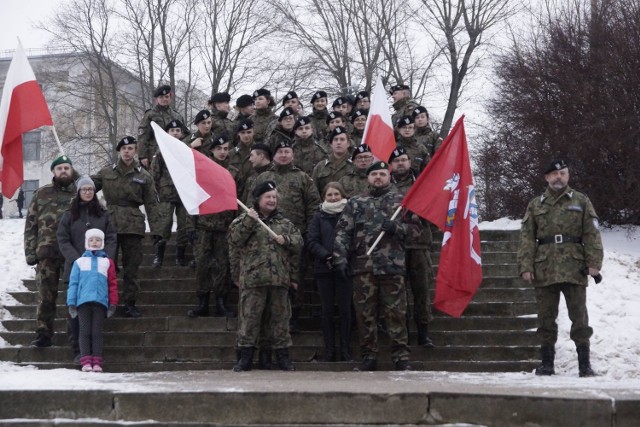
[[264, 304], [420, 280], [388, 292], [166, 211], [130, 246], [212, 263], [48, 273], [548, 299]]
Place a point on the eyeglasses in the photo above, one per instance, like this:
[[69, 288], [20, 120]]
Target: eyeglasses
[[87, 190]]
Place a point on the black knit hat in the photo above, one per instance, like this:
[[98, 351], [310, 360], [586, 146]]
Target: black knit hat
[[244, 101], [220, 97]]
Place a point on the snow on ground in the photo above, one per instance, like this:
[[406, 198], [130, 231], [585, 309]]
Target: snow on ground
[[612, 304]]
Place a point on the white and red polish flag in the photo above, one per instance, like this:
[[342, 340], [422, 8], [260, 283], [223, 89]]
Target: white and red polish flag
[[378, 131], [204, 186], [23, 108], [444, 194]]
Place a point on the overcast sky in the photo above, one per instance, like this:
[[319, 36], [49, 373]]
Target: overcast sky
[[19, 18]]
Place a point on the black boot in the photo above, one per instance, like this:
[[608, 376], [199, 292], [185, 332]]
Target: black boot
[[41, 341], [222, 310], [283, 360], [584, 364], [294, 328], [180, 257], [246, 360], [367, 365], [547, 355], [130, 310], [329, 354], [202, 310], [402, 365], [160, 248], [423, 336], [265, 360]]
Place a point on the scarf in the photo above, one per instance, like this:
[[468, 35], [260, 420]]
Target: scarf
[[334, 207]]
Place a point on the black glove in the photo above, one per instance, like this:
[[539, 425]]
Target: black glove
[[389, 227], [342, 271], [328, 261]]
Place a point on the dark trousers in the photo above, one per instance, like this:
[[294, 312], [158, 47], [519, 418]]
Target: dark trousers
[[334, 290], [91, 317], [548, 299], [47, 278], [130, 246]]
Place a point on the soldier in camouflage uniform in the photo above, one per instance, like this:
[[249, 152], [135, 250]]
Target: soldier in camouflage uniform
[[291, 100], [201, 139], [363, 101], [45, 211], [378, 280], [244, 108], [356, 182], [319, 114], [220, 124], [169, 202], [560, 245], [403, 104], [126, 186], [307, 152], [283, 132], [418, 258], [424, 134], [264, 268], [338, 164], [263, 117], [359, 121], [162, 114], [343, 106], [239, 156], [212, 254], [260, 159], [405, 137]]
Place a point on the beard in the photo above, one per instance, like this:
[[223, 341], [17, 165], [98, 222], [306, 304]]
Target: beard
[[64, 180]]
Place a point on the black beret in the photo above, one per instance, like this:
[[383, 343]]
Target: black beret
[[339, 130], [333, 115], [285, 113], [60, 160], [362, 148], [127, 140], [319, 94], [263, 147], [376, 166], [302, 121], [398, 87], [289, 96], [244, 101], [556, 165], [399, 151], [162, 90], [220, 97], [262, 188], [261, 92], [339, 101], [202, 115], [419, 110], [404, 121], [359, 113], [282, 144], [362, 95], [246, 124], [222, 139], [174, 124]]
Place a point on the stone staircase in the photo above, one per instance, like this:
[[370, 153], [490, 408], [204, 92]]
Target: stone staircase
[[495, 334]]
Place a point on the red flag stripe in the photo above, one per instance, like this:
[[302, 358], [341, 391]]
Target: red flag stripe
[[220, 186]]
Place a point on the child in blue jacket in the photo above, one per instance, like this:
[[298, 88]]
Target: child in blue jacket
[[92, 294]]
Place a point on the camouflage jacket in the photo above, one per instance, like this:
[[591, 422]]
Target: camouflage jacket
[[298, 197], [45, 211], [331, 169], [360, 225], [125, 189], [402, 108], [262, 123], [250, 183], [307, 153], [355, 183], [205, 148], [418, 153], [356, 137], [319, 120], [239, 158], [256, 259], [162, 178], [221, 124], [219, 221], [424, 238], [427, 137], [569, 214], [147, 145], [278, 135]]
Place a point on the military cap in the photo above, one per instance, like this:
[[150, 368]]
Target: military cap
[[377, 166], [262, 188], [282, 144], [339, 130], [244, 101], [127, 140], [362, 148], [333, 115], [246, 124], [174, 124], [556, 165], [289, 96], [162, 90], [404, 121], [60, 160], [399, 151], [419, 110], [359, 113], [285, 113], [319, 94], [261, 92], [220, 97], [302, 121], [202, 115], [398, 87], [362, 95], [339, 101], [263, 147], [223, 139]]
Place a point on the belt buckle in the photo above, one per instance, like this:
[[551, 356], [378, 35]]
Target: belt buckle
[[557, 238]]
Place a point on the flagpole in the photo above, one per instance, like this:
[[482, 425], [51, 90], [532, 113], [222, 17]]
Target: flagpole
[[271, 232], [55, 135], [395, 214]]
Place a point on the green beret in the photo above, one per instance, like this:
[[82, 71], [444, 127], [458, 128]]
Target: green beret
[[376, 166], [60, 160]]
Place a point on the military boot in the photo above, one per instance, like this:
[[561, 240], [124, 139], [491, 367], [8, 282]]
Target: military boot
[[246, 360], [547, 355], [294, 328], [222, 310], [202, 310], [180, 256], [130, 310], [423, 336], [584, 364], [159, 257], [265, 360], [41, 341], [283, 360], [367, 365]]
